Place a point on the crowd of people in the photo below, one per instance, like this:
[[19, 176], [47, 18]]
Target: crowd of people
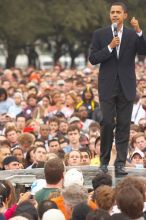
[[48, 115]]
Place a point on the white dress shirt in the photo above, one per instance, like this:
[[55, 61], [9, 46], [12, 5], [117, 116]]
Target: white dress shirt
[[120, 32]]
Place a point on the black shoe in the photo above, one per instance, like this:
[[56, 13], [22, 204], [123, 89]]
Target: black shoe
[[120, 171], [103, 169]]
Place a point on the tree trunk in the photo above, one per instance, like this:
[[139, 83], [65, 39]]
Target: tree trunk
[[58, 52], [12, 53], [73, 54]]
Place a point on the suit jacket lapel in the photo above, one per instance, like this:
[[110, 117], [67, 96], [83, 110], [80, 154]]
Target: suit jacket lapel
[[123, 41]]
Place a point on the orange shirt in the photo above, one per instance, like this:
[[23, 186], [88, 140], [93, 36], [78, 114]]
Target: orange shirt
[[60, 204]]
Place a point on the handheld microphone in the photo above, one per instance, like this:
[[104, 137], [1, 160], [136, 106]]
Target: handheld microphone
[[115, 26]]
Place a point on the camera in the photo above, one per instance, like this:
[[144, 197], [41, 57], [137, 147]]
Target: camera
[[1, 201], [31, 196]]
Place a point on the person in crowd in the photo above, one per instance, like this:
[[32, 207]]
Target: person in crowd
[[73, 158], [91, 146], [137, 158], [40, 157], [16, 108], [56, 102], [4, 152], [7, 191], [134, 129], [44, 134], [88, 101], [25, 141], [18, 153], [73, 134], [41, 112], [27, 209], [11, 163], [105, 197], [80, 211], [101, 179], [32, 126], [140, 141], [29, 158], [63, 127], [32, 89], [130, 201], [54, 169], [74, 120], [142, 124], [20, 122], [53, 145], [83, 115], [31, 106], [55, 214], [84, 140], [73, 176], [70, 104], [74, 195], [94, 129], [5, 101], [85, 156], [53, 124], [138, 112], [96, 152], [11, 135], [63, 142], [130, 181]]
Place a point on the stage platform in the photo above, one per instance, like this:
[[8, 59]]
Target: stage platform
[[27, 177]]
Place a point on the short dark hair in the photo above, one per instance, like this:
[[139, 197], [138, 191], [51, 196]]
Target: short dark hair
[[73, 128], [26, 209], [3, 92], [101, 179], [53, 170], [32, 96], [39, 140], [98, 214], [40, 146], [52, 140], [54, 119], [118, 216], [80, 211], [20, 115], [84, 149], [122, 4], [44, 206]]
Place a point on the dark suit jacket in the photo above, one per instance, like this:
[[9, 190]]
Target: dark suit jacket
[[110, 66]]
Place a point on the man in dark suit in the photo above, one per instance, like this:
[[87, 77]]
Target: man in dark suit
[[114, 48]]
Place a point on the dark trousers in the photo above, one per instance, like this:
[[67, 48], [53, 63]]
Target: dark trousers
[[116, 117]]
